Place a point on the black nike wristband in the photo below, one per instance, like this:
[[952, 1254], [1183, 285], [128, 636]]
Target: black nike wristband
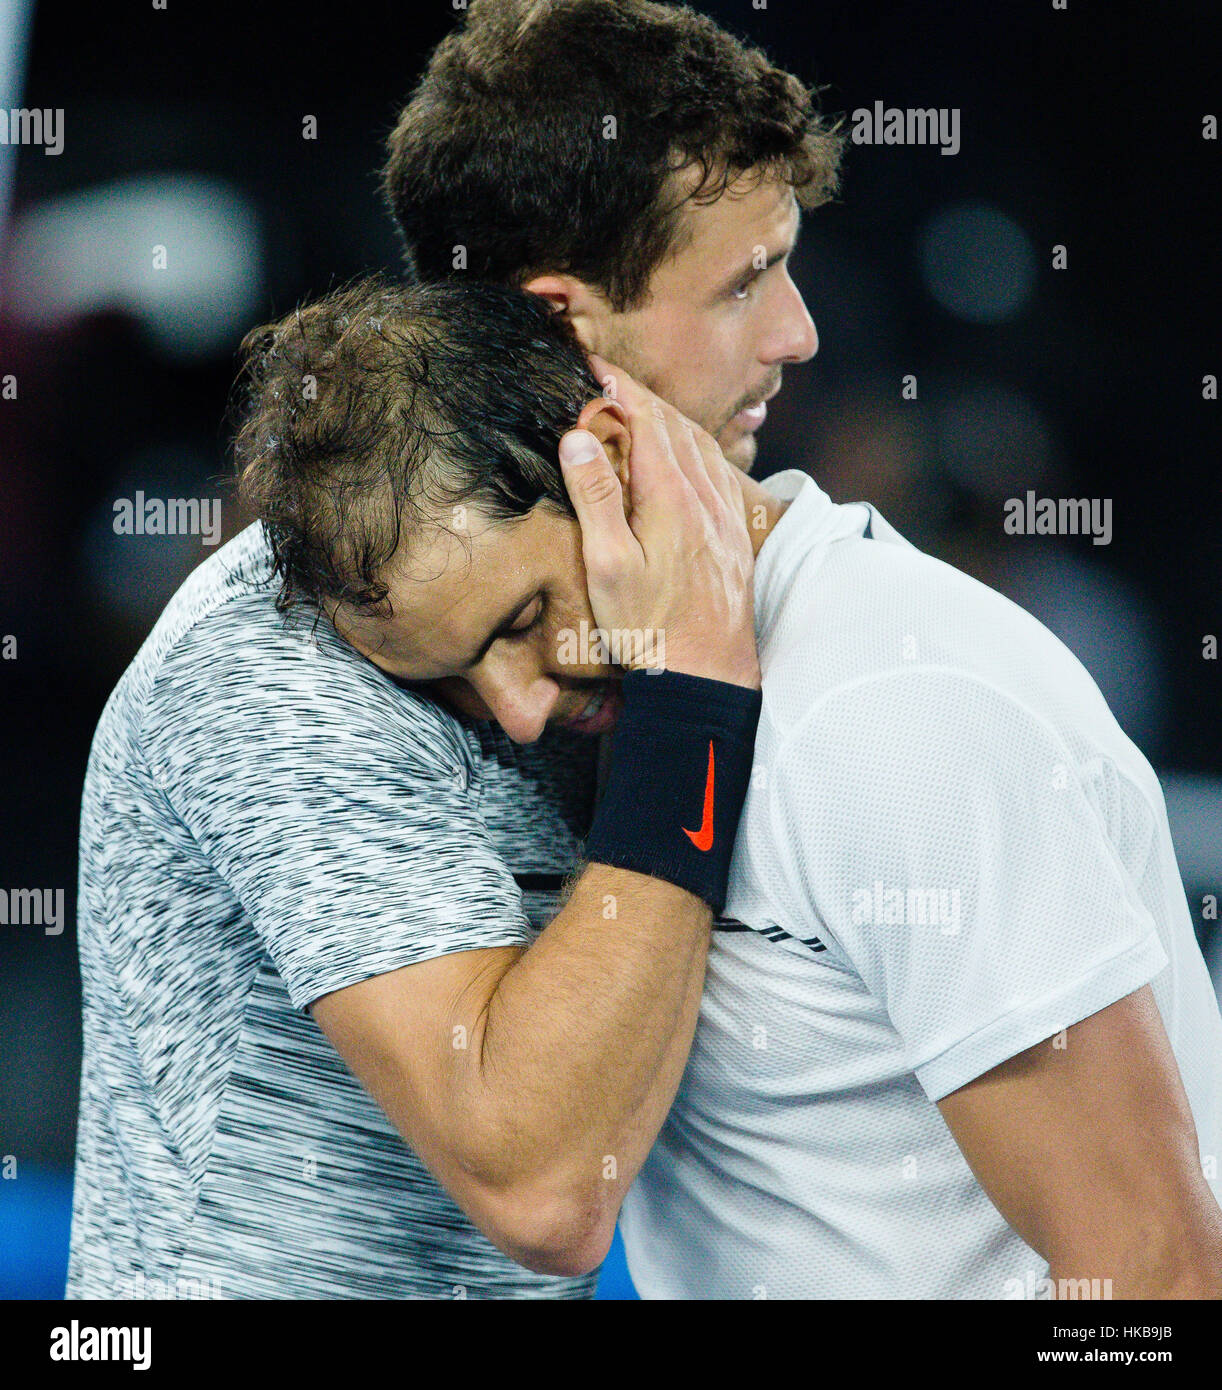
[[681, 755]]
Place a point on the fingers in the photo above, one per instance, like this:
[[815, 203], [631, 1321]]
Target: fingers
[[597, 498], [690, 575], [724, 476], [671, 430], [697, 453], [607, 374], [654, 471]]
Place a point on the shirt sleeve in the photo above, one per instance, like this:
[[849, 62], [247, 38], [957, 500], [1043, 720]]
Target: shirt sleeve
[[959, 863], [338, 808]]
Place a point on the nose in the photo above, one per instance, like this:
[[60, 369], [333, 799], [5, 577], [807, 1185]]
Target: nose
[[793, 337], [520, 703]]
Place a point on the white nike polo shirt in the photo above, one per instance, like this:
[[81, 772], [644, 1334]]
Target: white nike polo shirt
[[950, 852]]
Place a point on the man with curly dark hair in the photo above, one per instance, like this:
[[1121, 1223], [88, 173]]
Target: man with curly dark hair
[[638, 167]]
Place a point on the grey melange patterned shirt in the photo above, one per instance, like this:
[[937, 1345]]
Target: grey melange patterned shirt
[[267, 818]]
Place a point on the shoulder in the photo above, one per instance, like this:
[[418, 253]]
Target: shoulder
[[887, 625], [923, 734], [225, 672]]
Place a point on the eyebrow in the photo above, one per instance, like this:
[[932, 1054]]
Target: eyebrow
[[749, 272], [503, 627]]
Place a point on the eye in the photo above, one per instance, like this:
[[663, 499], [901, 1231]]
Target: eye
[[528, 618], [742, 292]]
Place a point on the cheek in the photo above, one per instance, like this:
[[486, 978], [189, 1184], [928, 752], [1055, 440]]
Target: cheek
[[567, 613], [569, 647], [681, 355], [456, 696], [713, 375]]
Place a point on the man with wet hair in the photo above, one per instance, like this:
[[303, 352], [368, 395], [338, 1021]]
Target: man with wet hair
[[278, 834]]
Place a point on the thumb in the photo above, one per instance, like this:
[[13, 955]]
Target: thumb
[[595, 491]]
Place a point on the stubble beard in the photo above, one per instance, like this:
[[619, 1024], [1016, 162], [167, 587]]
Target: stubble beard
[[620, 349]]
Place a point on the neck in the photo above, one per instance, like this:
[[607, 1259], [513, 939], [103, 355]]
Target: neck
[[762, 511]]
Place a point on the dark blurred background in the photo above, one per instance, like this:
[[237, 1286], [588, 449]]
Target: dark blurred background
[[183, 127]]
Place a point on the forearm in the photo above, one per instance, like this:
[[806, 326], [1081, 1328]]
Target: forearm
[[1176, 1279], [576, 1053], [650, 1117], [583, 1039], [1153, 1261]]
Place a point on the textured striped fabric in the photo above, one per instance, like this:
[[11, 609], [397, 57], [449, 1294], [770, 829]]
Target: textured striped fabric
[[267, 818]]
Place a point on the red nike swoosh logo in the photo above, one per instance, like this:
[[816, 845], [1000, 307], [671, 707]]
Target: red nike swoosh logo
[[703, 838]]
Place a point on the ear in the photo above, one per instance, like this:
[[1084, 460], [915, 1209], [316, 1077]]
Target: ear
[[585, 309], [606, 421]]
